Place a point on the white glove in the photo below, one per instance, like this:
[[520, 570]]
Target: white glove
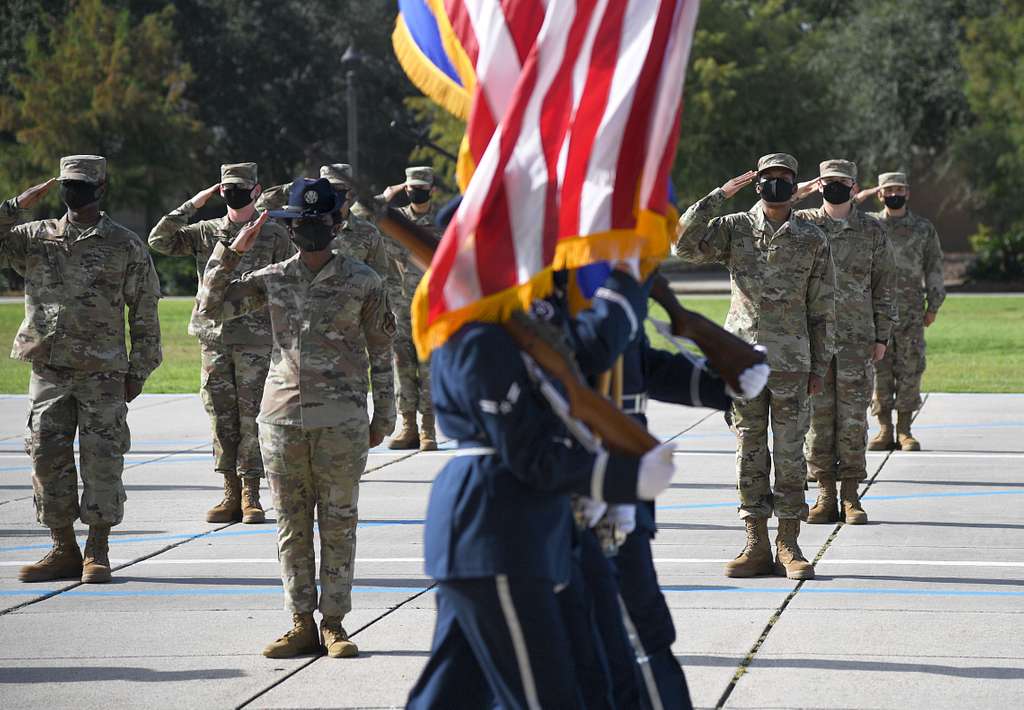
[[656, 471], [623, 517], [752, 380], [592, 510]]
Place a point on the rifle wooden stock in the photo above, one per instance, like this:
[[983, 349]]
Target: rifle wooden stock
[[728, 354], [617, 430], [419, 240]]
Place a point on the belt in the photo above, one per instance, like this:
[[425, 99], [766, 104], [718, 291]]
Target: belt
[[635, 403], [476, 451]]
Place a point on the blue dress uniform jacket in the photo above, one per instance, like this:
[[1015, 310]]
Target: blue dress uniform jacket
[[505, 512]]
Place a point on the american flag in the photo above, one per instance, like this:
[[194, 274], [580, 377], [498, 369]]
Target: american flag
[[572, 133]]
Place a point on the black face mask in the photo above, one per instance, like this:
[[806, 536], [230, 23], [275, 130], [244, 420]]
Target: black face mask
[[238, 197], [311, 236], [76, 194], [836, 193], [776, 189], [895, 202], [419, 195]]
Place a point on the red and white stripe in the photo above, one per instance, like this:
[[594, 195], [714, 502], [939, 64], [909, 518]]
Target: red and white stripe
[[586, 94]]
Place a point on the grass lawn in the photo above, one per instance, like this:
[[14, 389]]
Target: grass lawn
[[976, 345]]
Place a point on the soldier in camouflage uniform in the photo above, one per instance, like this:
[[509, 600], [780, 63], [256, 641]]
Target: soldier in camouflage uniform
[[413, 375], [865, 312], [918, 255], [81, 273], [782, 298], [235, 355], [331, 324]]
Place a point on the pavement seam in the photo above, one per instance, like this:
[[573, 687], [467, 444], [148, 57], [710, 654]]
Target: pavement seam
[[314, 659], [752, 653]]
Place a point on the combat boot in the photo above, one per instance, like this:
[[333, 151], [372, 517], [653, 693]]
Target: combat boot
[[252, 511], [428, 437], [408, 437], [229, 510], [301, 640], [756, 558], [903, 435], [826, 508], [63, 561], [883, 440], [335, 640], [96, 566], [853, 513], [789, 560]]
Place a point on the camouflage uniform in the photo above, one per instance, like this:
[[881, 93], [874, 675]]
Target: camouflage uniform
[[330, 328], [782, 298], [918, 255], [78, 282], [865, 311], [235, 355], [413, 375]]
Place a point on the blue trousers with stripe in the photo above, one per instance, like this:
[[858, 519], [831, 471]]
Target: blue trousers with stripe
[[498, 642]]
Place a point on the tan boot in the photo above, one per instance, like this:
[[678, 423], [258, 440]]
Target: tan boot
[[229, 510], [903, 435], [883, 440], [252, 511], [756, 558], [335, 639], [428, 438], [853, 513], [408, 436], [790, 561], [96, 566], [301, 640], [826, 509], [63, 561]]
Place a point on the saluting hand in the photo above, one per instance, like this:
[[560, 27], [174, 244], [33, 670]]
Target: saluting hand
[[803, 189], [203, 197], [247, 236], [733, 186], [34, 194], [865, 194]]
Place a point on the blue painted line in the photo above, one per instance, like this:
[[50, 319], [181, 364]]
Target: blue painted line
[[259, 591], [198, 592], [850, 590], [914, 496], [217, 534]]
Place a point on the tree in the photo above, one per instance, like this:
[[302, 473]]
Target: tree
[[97, 82]]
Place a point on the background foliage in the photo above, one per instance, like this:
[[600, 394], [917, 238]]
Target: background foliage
[[168, 91]]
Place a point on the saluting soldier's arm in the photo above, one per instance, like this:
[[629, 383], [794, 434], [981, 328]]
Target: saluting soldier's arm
[[142, 298], [220, 297], [821, 310], [379, 327], [883, 287], [13, 239], [173, 235], [934, 278], [701, 239]]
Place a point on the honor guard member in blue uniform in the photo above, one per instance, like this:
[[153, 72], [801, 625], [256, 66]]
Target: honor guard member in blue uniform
[[498, 529]]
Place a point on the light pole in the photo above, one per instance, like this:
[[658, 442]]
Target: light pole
[[350, 61]]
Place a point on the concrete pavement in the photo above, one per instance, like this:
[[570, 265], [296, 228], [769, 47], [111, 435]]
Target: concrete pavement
[[921, 608]]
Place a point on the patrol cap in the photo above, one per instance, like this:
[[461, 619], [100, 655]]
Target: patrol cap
[[422, 176], [338, 174], [777, 160], [893, 180], [838, 168], [309, 198], [243, 174], [87, 168]]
